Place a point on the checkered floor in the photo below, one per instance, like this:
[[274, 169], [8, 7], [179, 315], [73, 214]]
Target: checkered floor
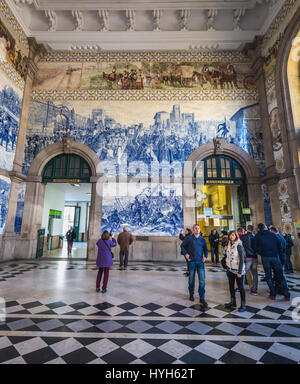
[[85, 327]]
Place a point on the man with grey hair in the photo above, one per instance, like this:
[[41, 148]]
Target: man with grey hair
[[125, 239]]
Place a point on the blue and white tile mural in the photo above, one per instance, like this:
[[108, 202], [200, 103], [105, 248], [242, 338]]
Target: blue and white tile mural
[[142, 134], [147, 209], [10, 110], [20, 207], [4, 197], [142, 139]]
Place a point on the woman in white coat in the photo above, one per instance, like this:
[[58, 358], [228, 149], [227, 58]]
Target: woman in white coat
[[235, 262]]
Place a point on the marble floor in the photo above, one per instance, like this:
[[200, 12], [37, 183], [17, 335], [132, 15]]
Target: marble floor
[[79, 251], [54, 315]]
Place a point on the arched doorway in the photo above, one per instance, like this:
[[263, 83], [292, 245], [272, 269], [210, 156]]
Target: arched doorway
[[66, 204], [238, 169], [36, 189], [221, 194]]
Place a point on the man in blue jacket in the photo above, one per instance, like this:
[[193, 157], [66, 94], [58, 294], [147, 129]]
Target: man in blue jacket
[[195, 250], [269, 247]]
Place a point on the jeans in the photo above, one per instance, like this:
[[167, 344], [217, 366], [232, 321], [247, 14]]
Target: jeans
[[232, 277], [273, 264], [215, 250], [105, 279], [124, 258], [199, 267], [70, 245], [252, 275], [288, 265]]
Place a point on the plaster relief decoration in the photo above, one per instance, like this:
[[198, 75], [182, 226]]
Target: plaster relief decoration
[[147, 209], [143, 75], [20, 207], [4, 196], [144, 139], [10, 110]]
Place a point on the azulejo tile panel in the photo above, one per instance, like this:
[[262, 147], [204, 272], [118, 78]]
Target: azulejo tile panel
[[152, 56], [14, 25], [146, 95], [11, 73]]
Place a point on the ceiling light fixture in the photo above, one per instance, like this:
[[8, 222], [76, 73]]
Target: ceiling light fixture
[[75, 185]]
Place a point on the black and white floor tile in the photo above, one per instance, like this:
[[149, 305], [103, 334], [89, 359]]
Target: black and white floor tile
[[54, 316]]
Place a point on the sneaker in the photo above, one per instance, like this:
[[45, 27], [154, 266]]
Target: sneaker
[[237, 290], [203, 303], [104, 290], [263, 279], [242, 308], [288, 298], [272, 297], [97, 289], [192, 298], [212, 263], [219, 263], [253, 293]]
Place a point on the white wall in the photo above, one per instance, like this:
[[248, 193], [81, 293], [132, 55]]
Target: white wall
[[54, 199]]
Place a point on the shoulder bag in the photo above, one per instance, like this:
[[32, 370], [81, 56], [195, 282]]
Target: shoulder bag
[[112, 255]]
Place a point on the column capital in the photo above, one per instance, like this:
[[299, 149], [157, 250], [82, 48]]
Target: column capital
[[36, 52], [253, 51], [270, 180], [17, 177]]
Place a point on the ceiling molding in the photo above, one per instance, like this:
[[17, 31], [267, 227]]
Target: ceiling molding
[[148, 40], [43, 5], [71, 23]]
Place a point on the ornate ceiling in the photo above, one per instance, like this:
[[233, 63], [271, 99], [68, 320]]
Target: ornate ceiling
[[144, 24]]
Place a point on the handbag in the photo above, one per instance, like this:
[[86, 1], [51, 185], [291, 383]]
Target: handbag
[[223, 261], [112, 255]]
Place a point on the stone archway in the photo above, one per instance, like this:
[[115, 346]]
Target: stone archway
[[290, 136], [219, 147], [35, 192]]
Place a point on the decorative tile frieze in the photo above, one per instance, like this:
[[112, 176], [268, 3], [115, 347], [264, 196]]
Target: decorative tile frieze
[[279, 24], [151, 56], [12, 74], [14, 26], [147, 95], [270, 81]]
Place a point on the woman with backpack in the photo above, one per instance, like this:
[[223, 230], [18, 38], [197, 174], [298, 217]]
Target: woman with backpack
[[104, 258]]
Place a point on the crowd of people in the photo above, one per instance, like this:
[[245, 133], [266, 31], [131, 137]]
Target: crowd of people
[[239, 252]]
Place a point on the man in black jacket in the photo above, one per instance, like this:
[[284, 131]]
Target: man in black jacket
[[214, 239], [289, 244], [251, 259]]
